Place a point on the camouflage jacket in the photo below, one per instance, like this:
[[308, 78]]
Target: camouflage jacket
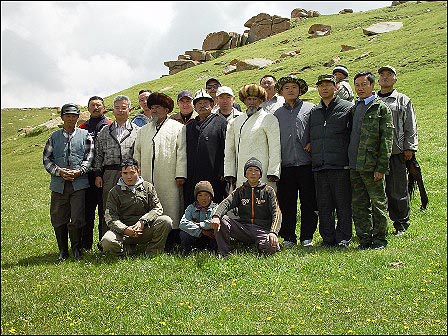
[[375, 144]]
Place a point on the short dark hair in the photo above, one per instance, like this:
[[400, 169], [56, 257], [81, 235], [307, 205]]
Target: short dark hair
[[129, 163], [265, 76], [95, 98], [370, 76], [144, 90]]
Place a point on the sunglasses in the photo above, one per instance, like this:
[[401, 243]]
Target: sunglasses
[[212, 86]]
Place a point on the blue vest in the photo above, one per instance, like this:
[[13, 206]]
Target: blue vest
[[69, 153]]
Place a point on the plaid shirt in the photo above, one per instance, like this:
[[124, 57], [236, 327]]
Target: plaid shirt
[[54, 169]]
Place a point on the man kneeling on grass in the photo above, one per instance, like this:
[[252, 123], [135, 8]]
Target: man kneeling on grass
[[259, 214], [134, 215]]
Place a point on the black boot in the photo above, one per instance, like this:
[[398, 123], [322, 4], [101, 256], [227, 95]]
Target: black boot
[[75, 241], [61, 233]]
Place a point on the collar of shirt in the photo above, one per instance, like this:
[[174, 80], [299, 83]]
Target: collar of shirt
[[69, 135], [368, 99]]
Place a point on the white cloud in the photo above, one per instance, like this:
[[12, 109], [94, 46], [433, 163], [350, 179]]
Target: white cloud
[[55, 52]]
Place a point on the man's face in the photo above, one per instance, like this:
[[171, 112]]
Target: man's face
[[339, 76], [387, 78], [252, 102], [290, 91], [326, 89], [203, 107], [160, 111], [212, 87], [129, 175], [225, 102], [363, 87], [204, 198], [96, 108], [185, 105], [253, 175], [121, 111], [69, 120], [142, 100], [268, 84]]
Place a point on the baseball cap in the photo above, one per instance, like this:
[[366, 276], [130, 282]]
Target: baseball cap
[[184, 93], [326, 77], [224, 89], [69, 109], [212, 79], [387, 67]]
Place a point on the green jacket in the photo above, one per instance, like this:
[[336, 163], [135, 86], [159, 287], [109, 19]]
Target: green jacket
[[124, 207], [375, 144]]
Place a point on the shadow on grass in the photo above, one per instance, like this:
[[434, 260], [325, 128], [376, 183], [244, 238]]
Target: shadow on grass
[[94, 258]]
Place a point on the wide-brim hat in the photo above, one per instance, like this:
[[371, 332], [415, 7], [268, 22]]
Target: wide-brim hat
[[158, 98], [292, 79]]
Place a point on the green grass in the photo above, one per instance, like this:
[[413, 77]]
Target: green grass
[[297, 291]]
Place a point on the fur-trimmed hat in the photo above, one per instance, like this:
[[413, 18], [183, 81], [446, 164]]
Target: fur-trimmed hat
[[203, 186], [342, 69], [253, 162], [158, 98], [69, 109], [252, 90], [303, 86]]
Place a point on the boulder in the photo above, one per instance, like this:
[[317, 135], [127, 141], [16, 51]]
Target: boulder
[[253, 63], [382, 27], [215, 40], [317, 30]]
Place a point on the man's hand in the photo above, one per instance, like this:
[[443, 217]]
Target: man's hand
[[99, 181], [273, 239], [68, 174], [208, 233], [408, 154], [215, 223], [180, 181], [307, 148], [377, 176], [272, 178], [133, 231]]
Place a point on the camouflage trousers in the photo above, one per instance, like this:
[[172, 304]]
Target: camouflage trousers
[[369, 206]]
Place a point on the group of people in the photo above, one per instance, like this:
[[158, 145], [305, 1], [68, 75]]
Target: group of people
[[212, 173]]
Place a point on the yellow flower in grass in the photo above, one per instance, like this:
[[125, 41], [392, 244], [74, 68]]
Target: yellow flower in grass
[[12, 331], [162, 323], [269, 318]]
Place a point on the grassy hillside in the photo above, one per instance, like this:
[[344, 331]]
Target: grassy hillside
[[399, 290]]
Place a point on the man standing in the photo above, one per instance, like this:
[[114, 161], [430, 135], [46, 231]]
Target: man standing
[[134, 215], [225, 99], [296, 174], [344, 90], [94, 195], [330, 125], [212, 85], [405, 144], [114, 144], [368, 153], [273, 100], [145, 116], [67, 157], [187, 112], [205, 136]]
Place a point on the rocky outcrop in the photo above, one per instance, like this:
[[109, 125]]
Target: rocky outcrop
[[317, 30], [264, 25], [382, 27]]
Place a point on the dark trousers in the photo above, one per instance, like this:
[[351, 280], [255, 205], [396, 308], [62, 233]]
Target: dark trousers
[[397, 192], [334, 193], [94, 199], [189, 242], [297, 181], [172, 240]]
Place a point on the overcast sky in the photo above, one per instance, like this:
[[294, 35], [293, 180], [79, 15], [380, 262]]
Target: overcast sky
[[59, 52]]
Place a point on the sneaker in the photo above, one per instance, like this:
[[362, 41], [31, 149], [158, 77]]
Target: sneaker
[[288, 244], [343, 243], [399, 232], [378, 246], [307, 243]]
